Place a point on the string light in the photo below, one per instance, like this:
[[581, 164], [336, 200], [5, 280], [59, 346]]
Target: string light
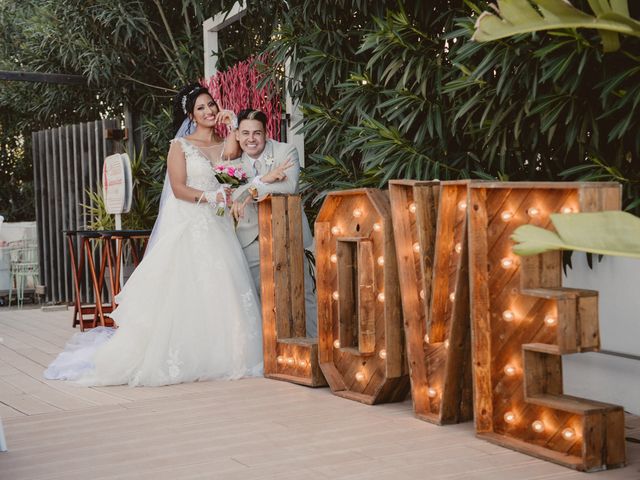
[[377, 227], [336, 230], [506, 216], [458, 247], [538, 426], [336, 343], [446, 344], [422, 294], [510, 370], [506, 262], [413, 207], [333, 258], [462, 205], [416, 247], [510, 417], [426, 338], [533, 212], [302, 363], [357, 212], [550, 320], [381, 260], [567, 210], [359, 376], [452, 296], [508, 315], [432, 392], [382, 354], [335, 295], [568, 433], [280, 359], [381, 297], [291, 361]]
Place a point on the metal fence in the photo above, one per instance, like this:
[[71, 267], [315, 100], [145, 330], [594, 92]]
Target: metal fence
[[67, 163]]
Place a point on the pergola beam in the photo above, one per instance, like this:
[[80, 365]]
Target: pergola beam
[[58, 78]]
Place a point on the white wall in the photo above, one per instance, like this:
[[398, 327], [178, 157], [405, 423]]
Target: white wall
[[595, 375]]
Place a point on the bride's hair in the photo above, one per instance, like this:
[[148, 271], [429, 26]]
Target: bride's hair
[[184, 102]]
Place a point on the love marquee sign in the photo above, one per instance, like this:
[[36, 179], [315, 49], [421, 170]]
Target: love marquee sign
[[418, 290]]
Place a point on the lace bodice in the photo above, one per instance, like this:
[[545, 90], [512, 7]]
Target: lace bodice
[[200, 173]]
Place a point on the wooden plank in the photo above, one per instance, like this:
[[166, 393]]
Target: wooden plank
[[588, 323], [346, 253], [268, 286], [480, 307], [366, 298], [296, 266], [281, 266], [323, 285]]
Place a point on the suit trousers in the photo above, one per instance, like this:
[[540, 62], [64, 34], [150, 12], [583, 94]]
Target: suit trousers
[[252, 252]]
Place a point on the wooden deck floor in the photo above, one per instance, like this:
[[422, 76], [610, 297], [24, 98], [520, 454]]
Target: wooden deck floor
[[246, 429]]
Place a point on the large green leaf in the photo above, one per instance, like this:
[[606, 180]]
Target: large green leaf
[[520, 16], [605, 233]]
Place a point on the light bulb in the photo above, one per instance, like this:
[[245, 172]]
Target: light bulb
[[506, 262], [422, 294], [510, 417], [416, 247], [336, 343], [506, 216], [413, 207], [550, 320], [291, 361], [333, 258], [381, 260], [446, 343], [538, 426], [359, 376], [432, 392], [357, 212], [382, 354], [508, 315], [280, 359], [336, 230], [568, 433], [302, 363], [335, 295], [533, 212], [458, 247], [381, 297], [426, 338], [567, 210], [510, 370], [462, 205], [377, 227], [452, 296]]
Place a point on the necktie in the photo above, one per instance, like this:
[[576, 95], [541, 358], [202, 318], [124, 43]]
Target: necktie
[[257, 166]]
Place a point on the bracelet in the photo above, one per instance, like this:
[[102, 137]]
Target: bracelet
[[199, 199]]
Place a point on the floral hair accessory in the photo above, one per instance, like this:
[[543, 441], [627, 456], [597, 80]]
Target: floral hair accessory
[[185, 96]]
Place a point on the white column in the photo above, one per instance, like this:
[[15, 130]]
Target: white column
[[211, 27], [294, 114]]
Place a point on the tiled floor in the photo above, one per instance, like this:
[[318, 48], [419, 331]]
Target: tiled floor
[[246, 429]]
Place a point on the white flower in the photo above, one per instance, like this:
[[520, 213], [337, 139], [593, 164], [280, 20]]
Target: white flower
[[268, 161]]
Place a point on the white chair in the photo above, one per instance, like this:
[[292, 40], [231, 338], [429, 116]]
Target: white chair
[[3, 440], [24, 265]]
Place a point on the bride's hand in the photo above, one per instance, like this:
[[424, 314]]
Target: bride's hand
[[237, 209], [225, 117]]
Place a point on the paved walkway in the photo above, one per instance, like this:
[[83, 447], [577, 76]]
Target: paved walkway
[[246, 429]]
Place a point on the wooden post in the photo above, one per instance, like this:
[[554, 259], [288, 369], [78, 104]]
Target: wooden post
[[288, 354], [523, 321]]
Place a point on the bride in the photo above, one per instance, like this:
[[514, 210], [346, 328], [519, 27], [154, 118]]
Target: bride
[[190, 310]]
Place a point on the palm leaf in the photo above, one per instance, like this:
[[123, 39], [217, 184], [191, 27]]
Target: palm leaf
[[520, 16], [604, 233]]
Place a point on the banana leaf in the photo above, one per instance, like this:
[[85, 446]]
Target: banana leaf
[[520, 16], [604, 233]]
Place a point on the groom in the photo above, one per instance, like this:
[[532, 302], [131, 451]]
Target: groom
[[272, 167]]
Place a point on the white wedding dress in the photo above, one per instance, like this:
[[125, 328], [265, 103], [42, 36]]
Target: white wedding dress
[[188, 312]]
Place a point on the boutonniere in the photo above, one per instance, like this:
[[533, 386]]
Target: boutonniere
[[268, 160]]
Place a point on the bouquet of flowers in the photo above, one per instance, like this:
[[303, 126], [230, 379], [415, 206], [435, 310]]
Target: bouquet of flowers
[[231, 176]]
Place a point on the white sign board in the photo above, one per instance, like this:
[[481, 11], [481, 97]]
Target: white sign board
[[116, 183]]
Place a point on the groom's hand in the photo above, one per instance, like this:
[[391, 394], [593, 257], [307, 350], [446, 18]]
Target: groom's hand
[[277, 174], [237, 209]]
